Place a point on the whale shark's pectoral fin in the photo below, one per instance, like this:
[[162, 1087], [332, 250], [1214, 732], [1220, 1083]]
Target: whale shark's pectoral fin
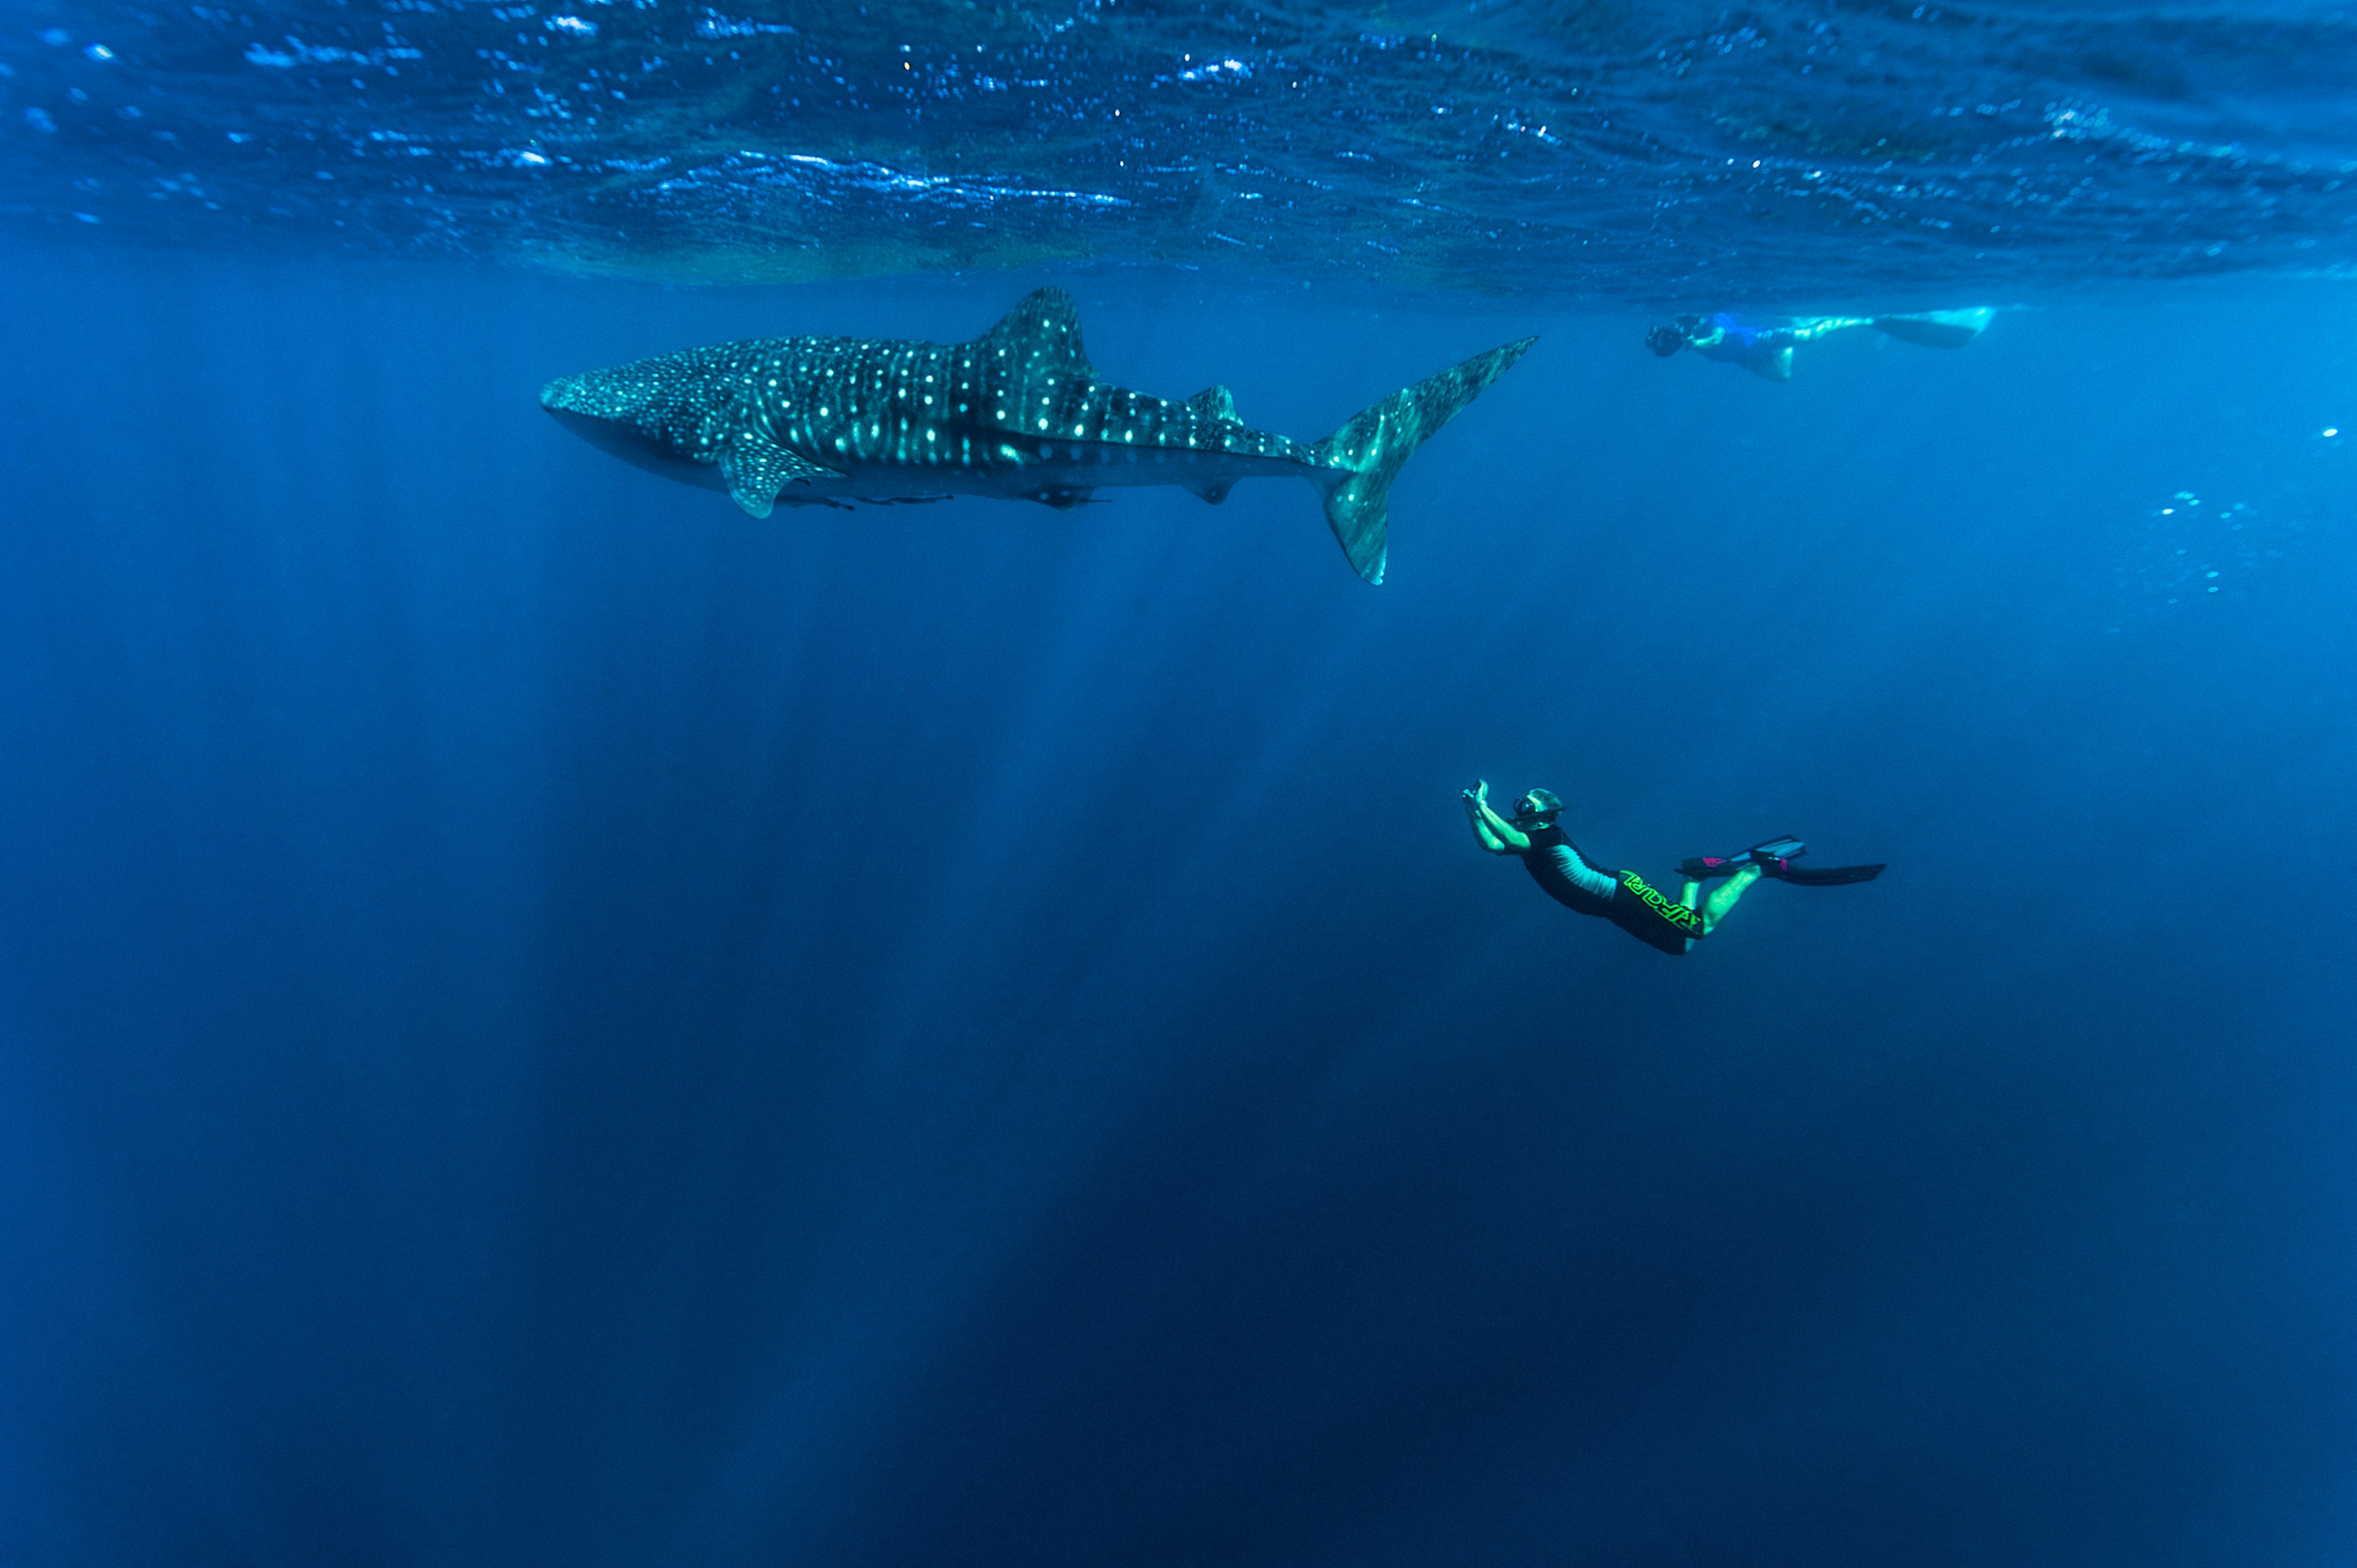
[[756, 469], [1216, 490], [1214, 402]]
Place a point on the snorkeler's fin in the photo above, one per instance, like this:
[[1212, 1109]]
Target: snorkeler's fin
[[1821, 875], [1937, 328], [1775, 859], [1362, 458], [1772, 857]]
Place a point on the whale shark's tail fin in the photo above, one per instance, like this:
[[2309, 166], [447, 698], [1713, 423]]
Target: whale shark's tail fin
[[1362, 458]]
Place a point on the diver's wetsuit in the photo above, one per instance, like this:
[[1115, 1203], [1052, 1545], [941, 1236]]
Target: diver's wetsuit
[[1763, 348], [1740, 343], [1622, 897]]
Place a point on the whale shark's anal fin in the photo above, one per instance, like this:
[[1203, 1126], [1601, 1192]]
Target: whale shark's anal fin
[[1363, 458], [756, 469], [1214, 402], [1043, 331]]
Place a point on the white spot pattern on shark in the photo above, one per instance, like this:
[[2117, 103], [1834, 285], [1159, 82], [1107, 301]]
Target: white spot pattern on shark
[[1018, 413]]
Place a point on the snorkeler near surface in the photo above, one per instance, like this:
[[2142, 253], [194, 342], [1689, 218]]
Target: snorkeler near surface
[[1625, 899], [1765, 348]]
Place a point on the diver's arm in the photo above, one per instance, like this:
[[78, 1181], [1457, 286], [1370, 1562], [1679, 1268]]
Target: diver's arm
[[1481, 833], [1488, 841], [1490, 826]]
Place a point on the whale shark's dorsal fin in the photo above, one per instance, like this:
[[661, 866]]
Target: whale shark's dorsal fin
[[1215, 403], [757, 468], [1046, 328]]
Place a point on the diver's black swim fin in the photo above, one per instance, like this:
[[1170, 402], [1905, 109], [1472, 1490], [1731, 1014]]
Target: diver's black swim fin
[[1823, 876], [1775, 858], [1767, 856]]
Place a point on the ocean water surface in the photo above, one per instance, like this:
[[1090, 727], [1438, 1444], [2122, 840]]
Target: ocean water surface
[[545, 1021]]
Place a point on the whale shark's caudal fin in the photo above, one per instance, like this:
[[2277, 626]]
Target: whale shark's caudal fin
[[1370, 449]]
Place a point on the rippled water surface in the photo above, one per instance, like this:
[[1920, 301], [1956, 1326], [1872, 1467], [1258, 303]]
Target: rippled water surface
[[1608, 150]]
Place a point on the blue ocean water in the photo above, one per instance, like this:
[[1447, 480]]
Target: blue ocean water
[[546, 1020]]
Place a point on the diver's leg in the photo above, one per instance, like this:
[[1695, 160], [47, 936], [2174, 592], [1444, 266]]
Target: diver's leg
[[1721, 900], [1818, 326], [1693, 892]]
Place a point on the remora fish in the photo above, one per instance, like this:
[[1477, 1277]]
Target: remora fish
[[1018, 412]]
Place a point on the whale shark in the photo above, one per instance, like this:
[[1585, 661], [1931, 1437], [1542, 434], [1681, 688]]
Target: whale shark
[[1018, 413]]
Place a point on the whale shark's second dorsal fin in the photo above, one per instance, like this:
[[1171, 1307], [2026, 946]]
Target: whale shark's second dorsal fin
[[1044, 329], [1214, 402]]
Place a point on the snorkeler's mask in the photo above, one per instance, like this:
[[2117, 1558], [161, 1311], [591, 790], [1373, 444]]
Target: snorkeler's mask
[[1538, 809]]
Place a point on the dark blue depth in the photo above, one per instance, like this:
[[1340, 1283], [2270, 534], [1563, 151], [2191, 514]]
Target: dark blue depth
[[548, 1022]]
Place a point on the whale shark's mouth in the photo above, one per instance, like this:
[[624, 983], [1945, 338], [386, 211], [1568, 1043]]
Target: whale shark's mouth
[[620, 438]]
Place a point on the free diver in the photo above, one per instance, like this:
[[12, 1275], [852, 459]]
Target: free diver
[[1672, 924]]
